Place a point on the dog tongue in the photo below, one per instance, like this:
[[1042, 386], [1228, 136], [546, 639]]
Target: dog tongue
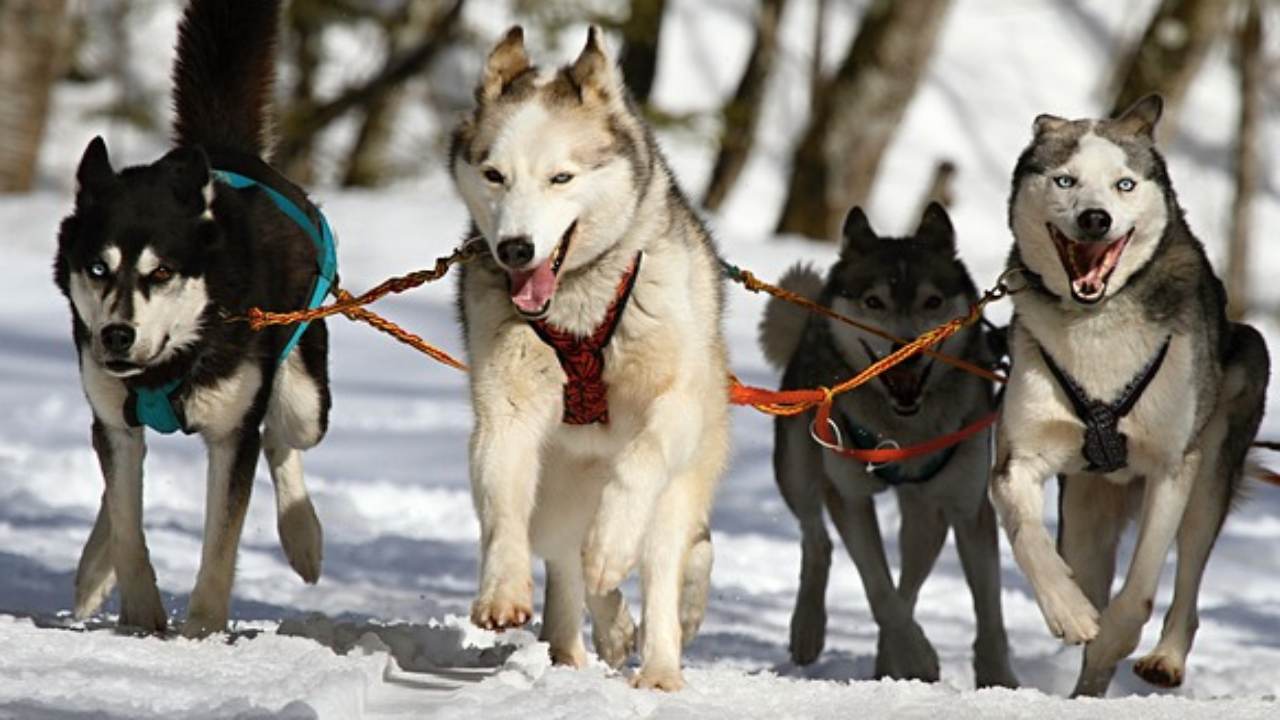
[[904, 385], [532, 290]]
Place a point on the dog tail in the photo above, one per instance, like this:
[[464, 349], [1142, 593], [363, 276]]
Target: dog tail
[[224, 74], [783, 324]]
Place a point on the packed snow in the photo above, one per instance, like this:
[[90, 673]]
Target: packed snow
[[384, 634]]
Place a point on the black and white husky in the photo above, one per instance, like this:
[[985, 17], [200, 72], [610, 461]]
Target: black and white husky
[[906, 286], [157, 261], [1128, 380]]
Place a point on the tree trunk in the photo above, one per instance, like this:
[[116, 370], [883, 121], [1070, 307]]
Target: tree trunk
[[857, 114], [31, 32], [640, 34], [1169, 55], [1250, 60], [941, 187], [817, 77], [742, 113]]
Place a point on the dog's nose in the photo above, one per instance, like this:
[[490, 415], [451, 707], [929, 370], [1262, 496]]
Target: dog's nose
[[1094, 223], [118, 337], [515, 252]]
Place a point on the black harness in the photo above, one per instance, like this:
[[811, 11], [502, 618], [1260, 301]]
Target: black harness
[[1105, 447]]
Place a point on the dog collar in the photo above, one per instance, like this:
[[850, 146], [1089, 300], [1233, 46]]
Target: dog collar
[[154, 407], [1105, 447], [586, 395], [892, 473]]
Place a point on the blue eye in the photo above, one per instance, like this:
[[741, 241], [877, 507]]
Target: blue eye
[[1126, 185], [561, 178], [97, 270], [1064, 181]]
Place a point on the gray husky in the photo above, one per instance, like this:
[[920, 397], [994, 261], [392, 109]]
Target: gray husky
[[904, 286], [1128, 380]]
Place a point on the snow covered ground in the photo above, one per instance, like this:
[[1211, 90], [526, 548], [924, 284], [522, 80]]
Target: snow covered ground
[[384, 633]]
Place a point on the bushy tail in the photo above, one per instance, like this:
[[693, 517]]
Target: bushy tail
[[224, 73], [783, 323]]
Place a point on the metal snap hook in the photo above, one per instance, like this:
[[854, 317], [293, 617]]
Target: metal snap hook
[[838, 446], [886, 444]]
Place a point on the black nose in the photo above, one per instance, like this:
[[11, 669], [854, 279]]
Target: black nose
[[1094, 223], [118, 338], [515, 252]]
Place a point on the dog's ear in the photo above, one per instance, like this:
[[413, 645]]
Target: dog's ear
[[189, 178], [593, 72], [859, 238], [1047, 123], [936, 229], [507, 61], [1142, 116], [94, 176]]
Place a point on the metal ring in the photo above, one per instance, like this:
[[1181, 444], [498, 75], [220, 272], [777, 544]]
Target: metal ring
[[1002, 281], [886, 444], [835, 429]]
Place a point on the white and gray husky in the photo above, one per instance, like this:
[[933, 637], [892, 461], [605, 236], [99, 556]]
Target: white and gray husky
[[905, 286], [1128, 380], [598, 368]]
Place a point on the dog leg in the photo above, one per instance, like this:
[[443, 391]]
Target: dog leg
[[1163, 503], [797, 466], [296, 521], [1017, 489], [121, 452], [696, 586], [1165, 666], [562, 611], [232, 460], [626, 505], [978, 545], [613, 632], [95, 576], [921, 535], [902, 652]]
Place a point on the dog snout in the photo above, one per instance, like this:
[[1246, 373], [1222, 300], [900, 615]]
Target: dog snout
[[1094, 223], [117, 338], [515, 252]]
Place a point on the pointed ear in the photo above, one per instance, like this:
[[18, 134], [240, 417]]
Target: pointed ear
[[936, 229], [593, 71], [507, 61], [189, 178], [1142, 116], [1048, 123], [94, 174], [859, 238]]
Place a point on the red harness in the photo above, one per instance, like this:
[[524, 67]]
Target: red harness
[[586, 395]]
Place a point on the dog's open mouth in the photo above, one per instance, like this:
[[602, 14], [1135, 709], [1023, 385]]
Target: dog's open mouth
[[123, 368], [905, 385], [1089, 264], [533, 290]]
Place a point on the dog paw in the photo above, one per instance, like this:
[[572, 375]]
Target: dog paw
[[808, 635], [508, 606], [1160, 670], [666, 680], [574, 657], [609, 554], [1068, 613], [143, 612], [906, 654], [91, 593], [615, 642], [302, 540], [201, 625]]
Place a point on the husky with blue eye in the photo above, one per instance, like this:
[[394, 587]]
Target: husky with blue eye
[[1128, 380], [157, 261]]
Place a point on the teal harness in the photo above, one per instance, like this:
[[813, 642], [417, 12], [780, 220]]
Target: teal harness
[[892, 473], [154, 407]]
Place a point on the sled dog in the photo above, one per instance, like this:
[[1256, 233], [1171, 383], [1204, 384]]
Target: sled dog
[[905, 286], [157, 261], [1128, 382], [599, 373]]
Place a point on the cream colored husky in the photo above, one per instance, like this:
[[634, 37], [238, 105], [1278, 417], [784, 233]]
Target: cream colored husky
[[599, 376]]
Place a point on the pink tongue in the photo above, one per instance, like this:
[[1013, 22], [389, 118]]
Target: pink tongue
[[531, 291]]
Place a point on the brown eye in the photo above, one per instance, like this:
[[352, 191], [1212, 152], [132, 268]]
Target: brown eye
[[161, 274], [933, 302], [494, 176], [873, 302]]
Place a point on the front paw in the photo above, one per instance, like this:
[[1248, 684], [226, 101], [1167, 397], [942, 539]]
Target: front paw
[[608, 555], [509, 605], [200, 625], [666, 679], [143, 611], [1161, 670], [1068, 613], [906, 654]]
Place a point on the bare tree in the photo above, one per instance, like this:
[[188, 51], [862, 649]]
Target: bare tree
[[1169, 54], [31, 34], [1251, 66], [857, 113], [639, 58], [742, 113], [817, 78], [941, 187]]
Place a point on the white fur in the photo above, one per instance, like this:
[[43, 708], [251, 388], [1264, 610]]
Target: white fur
[[148, 261], [217, 410], [170, 319]]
